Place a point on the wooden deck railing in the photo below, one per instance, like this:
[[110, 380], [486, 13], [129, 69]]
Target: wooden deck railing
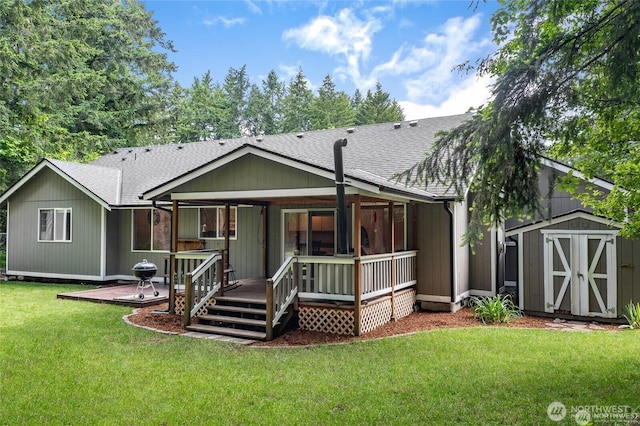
[[382, 273], [202, 282], [188, 261], [329, 278], [308, 277], [281, 292], [332, 278]]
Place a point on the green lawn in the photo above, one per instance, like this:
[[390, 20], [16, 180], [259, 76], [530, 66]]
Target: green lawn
[[73, 363]]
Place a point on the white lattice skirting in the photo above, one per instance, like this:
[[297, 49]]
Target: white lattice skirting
[[179, 305], [341, 320], [326, 320]]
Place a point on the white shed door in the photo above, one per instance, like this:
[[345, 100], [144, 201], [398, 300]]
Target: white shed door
[[580, 273]]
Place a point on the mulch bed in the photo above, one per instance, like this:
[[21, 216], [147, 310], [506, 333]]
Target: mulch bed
[[415, 322]]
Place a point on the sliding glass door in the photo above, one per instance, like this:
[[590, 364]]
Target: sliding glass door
[[311, 232]]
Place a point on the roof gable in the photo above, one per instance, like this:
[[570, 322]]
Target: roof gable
[[236, 161], [560, 219], [374, 153], [99, 183]]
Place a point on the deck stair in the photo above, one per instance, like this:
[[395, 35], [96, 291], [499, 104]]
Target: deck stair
[[234, 316]]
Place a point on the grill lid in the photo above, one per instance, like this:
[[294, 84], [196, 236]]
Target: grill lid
[[144, 266]]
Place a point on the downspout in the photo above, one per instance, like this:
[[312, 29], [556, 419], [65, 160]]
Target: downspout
[[342, 210], [447, 208]]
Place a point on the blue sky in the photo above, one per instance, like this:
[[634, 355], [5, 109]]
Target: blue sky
[[409, 46]]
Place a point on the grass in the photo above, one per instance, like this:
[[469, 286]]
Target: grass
[[70, 362]]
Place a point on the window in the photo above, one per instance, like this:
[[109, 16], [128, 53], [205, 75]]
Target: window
[[309, 232], [54, 225], [375, 231], [212, 222], [151, 230]]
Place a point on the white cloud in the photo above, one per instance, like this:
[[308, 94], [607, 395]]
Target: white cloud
[[471, 92], [456, 43], [224, 21], [253, 7], [432, 87], [344, 36]]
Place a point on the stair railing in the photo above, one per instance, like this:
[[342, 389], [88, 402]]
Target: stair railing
[[201, 285], [282, 289]]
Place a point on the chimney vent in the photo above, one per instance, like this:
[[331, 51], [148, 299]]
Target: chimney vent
[[396, 125]]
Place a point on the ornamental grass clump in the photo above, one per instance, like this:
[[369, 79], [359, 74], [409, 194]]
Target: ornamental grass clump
[[633, 315], [498, 308]]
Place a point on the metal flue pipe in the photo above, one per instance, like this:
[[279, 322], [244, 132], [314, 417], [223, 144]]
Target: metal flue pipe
[[342, 210]]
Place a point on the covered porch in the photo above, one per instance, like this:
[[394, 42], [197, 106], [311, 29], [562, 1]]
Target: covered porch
[[341, 253], [350, 293]]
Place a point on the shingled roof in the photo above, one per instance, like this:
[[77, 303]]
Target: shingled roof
[[374, 153]]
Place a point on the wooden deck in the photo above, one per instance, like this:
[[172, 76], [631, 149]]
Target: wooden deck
[[125, 295], [253, 289]]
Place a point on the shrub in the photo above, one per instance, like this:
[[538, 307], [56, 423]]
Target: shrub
[[633, 314], [498, 308]]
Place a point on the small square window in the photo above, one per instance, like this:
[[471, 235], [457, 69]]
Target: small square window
[[54, 225]]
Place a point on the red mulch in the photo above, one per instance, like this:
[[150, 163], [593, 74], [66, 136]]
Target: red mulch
[[412, 323]]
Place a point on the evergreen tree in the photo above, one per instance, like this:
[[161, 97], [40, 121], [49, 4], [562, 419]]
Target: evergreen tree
[[331, 109], [77, 79], [255, 113], [273, 91], [202, 112], [296, 105], [236, 88], [377, 107]]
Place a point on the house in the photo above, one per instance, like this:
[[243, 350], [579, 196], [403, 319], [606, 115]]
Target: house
[[347, 249]]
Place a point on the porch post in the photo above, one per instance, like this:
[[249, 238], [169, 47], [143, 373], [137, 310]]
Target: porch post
[[392, 228], [265, 222], [225, 257], [357, 276], [172, 257]]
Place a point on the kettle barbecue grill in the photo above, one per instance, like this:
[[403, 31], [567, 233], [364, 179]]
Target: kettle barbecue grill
[[145, 271]]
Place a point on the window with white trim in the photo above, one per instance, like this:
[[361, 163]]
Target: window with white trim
[[54, 225], [151, 230], [212, 222]]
